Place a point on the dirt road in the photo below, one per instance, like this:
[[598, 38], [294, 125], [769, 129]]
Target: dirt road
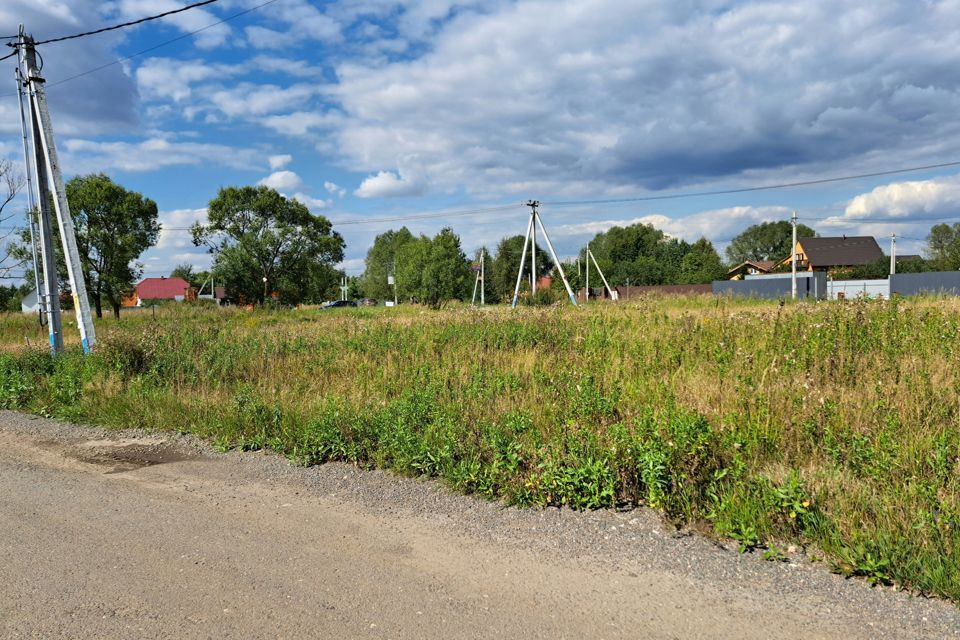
[[113, 536]]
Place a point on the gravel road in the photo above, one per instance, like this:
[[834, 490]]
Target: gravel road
[[137, 535]]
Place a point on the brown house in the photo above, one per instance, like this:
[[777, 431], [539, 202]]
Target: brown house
[[751, 268], [822, 254]]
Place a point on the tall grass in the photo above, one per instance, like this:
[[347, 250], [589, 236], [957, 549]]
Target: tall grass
[[831, 425]]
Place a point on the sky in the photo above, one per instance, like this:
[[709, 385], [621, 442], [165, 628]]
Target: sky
[[370, 109]]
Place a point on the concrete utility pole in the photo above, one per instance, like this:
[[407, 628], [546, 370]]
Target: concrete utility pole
[[586, 259], [46, 166], [793, 258], [533, 253], [893, 253], [483, 279], [31, 204], [531, 226]]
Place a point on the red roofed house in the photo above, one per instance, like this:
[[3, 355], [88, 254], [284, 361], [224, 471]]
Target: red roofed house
[[161, 289]]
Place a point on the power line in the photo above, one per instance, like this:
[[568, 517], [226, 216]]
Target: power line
[[127, 24], [887, 220], [154, 47], [785, 185], [401, 218]]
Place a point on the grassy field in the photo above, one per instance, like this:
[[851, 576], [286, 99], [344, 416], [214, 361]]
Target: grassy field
[[833, 425]]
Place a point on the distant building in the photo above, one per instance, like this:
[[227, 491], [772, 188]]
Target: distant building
[[30, 302], [751, 268], [160, 289], [824, 254]]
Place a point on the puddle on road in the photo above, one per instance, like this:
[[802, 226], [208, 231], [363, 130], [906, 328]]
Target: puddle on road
[[128, 455]]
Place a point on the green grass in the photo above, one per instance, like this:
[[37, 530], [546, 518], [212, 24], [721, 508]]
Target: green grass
[[833, 425]]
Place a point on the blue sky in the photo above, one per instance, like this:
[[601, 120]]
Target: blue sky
[[371, 108]]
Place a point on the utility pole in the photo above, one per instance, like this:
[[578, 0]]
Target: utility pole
[[534, 220], [793, 258], [533, 204], [47, 167], [590, 256], [586, 259], [483, 278], [31, 205], [893, 253]]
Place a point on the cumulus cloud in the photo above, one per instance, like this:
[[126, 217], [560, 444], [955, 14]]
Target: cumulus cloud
[[282, 180], [314, 204], [334, 188], [387, 184], [86, 156], [718, 225], [938, 196], [213, 34], [614, 95], [280, 161]]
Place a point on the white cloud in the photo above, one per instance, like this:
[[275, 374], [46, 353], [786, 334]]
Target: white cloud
[[282, 180], [938, 196], [649, 95], [299, 123], [387, 184], [213, 34], [85, 156], [314, 204], [280, 161], [334, 188], [172, 227], [718, 225]]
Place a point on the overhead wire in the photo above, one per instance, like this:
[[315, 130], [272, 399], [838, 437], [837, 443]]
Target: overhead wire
[[233, 16], [770, 187], [126, 24]]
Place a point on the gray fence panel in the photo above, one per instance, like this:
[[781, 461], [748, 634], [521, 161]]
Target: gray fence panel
[[814, 286], [911, 284]]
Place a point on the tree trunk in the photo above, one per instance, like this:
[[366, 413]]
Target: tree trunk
[[97, 303], [116, 309]]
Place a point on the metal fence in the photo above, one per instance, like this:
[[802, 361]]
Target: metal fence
[[934, 282], [809, 285]]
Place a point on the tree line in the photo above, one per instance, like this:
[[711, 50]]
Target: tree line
[[267, 248]]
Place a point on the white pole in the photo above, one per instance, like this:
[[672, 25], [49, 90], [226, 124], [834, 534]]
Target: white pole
[[556, 260], [893, 253], [586, 259], [476, 281], [533, 252], [483, 278], [523, 260], [793, 258], [613, 295]]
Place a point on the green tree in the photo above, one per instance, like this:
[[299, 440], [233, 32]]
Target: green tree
[[766, 241], [701, 265], [412, 260], [503, 275], [638, 254], [380, 261], [186, 272], [113, 227], [943, 247], [447, 272], [263, 242]]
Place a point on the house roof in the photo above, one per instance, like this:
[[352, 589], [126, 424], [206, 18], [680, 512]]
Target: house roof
[[842, 251], [162, 288], [759, 265]]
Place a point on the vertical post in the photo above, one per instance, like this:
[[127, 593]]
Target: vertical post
[[483, 277], [51, 288], [523, 260], [586, 259], [533, 243], [893, 253], [31, 204], [476, 281], [556, 259], [793, 258], [44, 131], [602, 277]]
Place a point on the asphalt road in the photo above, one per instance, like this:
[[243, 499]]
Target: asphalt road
[[155, 536]]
